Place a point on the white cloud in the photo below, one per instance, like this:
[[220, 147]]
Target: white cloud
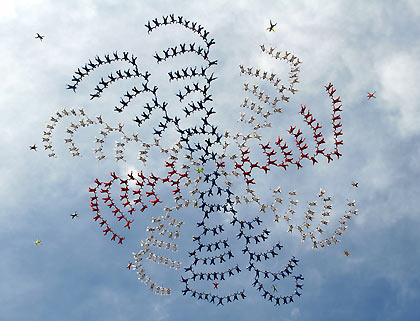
[[398, 97], [295, 313]]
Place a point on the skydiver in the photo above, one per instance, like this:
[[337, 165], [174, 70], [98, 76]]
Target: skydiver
[[293, 260], [91, 64], [125, 56], [211, 42], [335, 101], [37, 242], [123, 102], [111, 77], [331, 92], [351, 203], [209, 80], [149, 27], [38, 36], [180, 96], [271, 27], [371, 95], [354, 184], [98, 60], [132, 60], [328, 87], [74, 214], [265, 292], [337, 109], [33, 147], [286, 55], [214, 62], [119, 74]]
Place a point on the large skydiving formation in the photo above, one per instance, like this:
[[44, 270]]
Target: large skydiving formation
[[209, 169]]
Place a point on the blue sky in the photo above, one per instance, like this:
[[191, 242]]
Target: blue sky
[[79, 274]]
